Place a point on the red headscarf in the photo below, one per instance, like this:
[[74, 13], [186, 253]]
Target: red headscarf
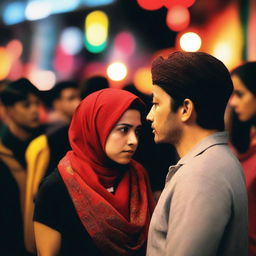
[[118, 223]]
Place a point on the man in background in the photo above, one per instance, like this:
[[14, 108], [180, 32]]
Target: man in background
[[63, 100], [21, 169]]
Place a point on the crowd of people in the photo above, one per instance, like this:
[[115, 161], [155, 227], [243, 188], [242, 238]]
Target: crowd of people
[[90, 170]]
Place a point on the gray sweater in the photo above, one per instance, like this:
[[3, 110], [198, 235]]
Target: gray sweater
[[202, 210]]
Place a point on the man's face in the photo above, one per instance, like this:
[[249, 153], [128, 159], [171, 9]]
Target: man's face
[[165, 123], [25, 114], [68, 101]]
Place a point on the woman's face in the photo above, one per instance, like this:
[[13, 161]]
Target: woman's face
[[242, 100], [122, 141]]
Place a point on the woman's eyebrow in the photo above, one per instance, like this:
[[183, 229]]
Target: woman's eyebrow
[[129, 125]]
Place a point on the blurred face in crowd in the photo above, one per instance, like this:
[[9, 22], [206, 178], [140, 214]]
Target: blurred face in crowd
[[25, 114], [67, 102], [243, 100], [164, 122], [122, 141]]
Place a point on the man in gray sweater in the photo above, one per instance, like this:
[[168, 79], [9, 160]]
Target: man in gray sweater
[[202, 210]]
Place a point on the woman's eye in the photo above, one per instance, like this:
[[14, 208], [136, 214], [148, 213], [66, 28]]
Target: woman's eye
[[238, 94], [124, 129]]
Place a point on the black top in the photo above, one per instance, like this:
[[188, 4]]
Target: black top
[[57, 135], [54, 208]]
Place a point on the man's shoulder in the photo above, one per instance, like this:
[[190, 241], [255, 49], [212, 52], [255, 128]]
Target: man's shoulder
[[217, 160]]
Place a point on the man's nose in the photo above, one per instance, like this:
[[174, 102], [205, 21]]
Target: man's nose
[[150, 116]]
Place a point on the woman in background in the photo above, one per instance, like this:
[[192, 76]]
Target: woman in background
[[99, 201], [243, 136]]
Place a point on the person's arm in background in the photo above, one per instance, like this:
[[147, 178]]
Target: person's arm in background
[[47, 219], [48, 240]]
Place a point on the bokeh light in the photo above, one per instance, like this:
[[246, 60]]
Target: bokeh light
[[16, 70], [150, 5], [63, 62], [124, 44], [223, 52], [14, 13], [61, 6], [96, 31], [185, 3], [15, 48], [96, 34], [43, 79], [93, 3], [117, 71], [190, 42], [177, 18], [5, 63], [143, 80], [94, 69], [36, 10], [71, 40]]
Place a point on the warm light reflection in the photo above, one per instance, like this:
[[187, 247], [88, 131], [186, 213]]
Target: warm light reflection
[[222, 51], [185, 3], [117, 71], [143, 80], [190, 42], [178, 18], [96, 34], [16, 70], [5, 63], [43, 79], [225, 40], [15, 48], [150, 5]]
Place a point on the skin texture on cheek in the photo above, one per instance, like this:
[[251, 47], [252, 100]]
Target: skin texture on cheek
[[164, 121]]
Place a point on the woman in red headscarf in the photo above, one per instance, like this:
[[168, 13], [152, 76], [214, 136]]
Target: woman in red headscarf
[[98, 201]]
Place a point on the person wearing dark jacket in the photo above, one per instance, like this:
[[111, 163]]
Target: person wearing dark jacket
[[20, 171]]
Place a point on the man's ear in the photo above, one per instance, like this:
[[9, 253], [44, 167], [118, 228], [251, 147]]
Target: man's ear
[[187, 110]]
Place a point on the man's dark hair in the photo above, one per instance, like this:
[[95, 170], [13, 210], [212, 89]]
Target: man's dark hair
[[60, 86], [17, 90], [199, 77], [93, 84], [51, 95]]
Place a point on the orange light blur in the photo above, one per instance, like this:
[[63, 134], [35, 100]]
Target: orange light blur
[[5, 63], [178, 18], [143, 80]]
